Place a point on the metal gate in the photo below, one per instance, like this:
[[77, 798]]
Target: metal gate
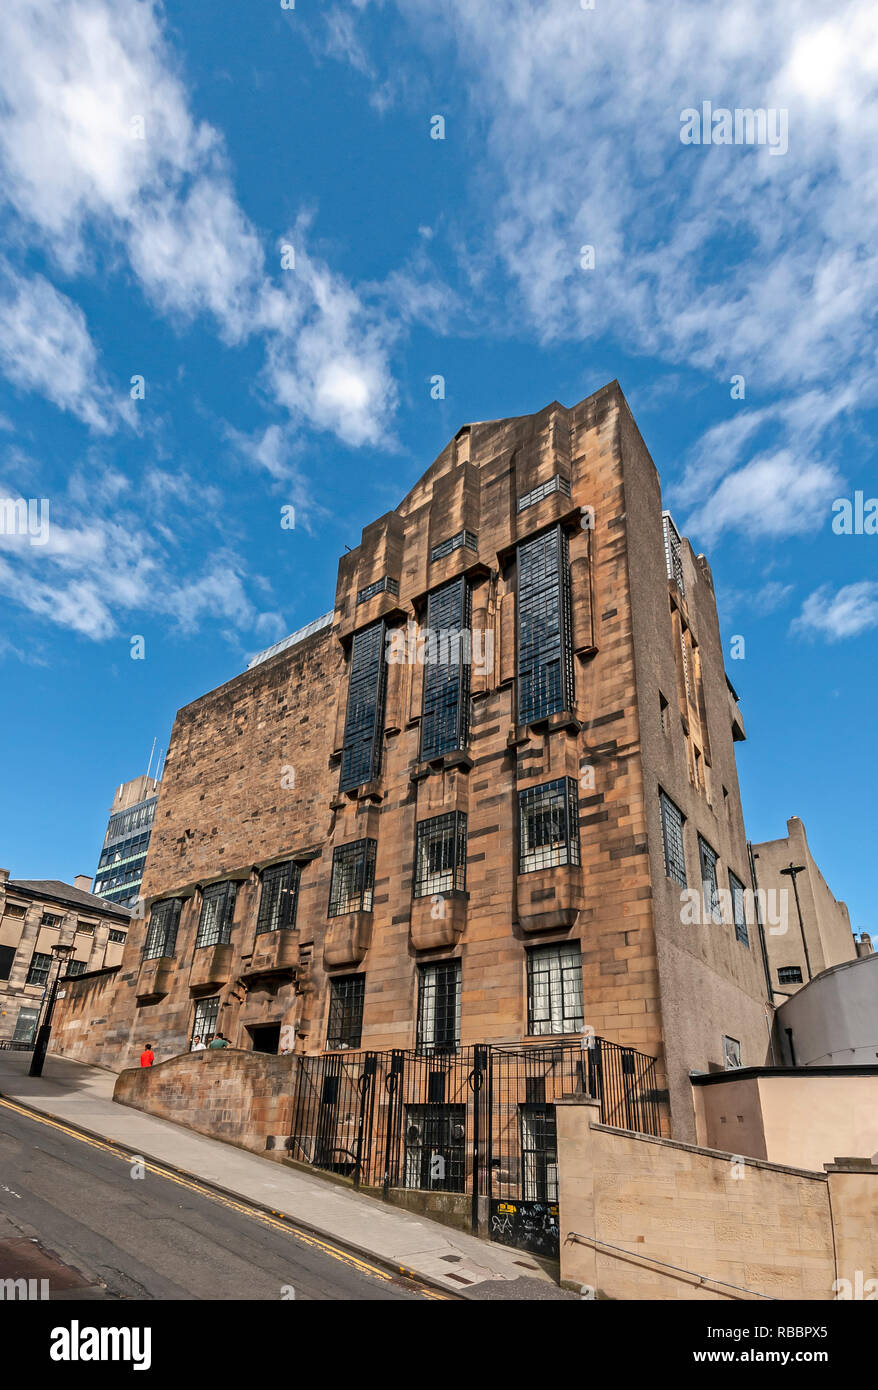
[[477, 1121]]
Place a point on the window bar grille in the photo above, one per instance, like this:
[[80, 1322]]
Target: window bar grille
[[364, 721], [217, 910], [439, 1007], [279, 897], [445, 706], [440, 855], [548, 817], [161, 934], [545, 627], [353, 878], [738, 909]]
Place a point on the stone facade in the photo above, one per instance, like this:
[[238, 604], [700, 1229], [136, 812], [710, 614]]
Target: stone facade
[[253, 772], [36, 915], [799, 950]]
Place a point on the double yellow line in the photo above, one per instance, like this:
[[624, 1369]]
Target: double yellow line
[[277, 1220]]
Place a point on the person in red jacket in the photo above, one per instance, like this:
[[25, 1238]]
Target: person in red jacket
[[147, 1056]]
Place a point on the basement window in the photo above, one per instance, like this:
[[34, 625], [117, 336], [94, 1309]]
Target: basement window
[[346, 995], [439, 1007]]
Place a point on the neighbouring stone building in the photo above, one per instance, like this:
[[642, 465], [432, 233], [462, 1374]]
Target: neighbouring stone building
[[367, 840], [35, 916], [810, 931]]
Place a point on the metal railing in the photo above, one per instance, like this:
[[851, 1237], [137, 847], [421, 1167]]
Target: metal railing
[[477, 1120]]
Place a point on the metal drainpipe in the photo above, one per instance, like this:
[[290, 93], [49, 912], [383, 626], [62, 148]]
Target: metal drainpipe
[[765, 965]]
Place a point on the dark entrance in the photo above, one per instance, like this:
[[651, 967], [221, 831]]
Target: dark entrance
[[266, 1038]]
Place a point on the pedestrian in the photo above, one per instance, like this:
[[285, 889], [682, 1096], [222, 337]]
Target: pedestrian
[[147, 1056], [197, 1044], [219, 1041]]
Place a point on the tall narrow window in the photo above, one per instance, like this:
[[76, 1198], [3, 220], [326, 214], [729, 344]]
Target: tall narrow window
[[731, 1053], [739, 914], [445, 711], [364, 721], [439, 1007], [279, 897], [161, 934], [673, 552], [545, 668], [554, 990], [346, 996], [353, 878], [217, 910], [708, 858], [672, 835], [548, 825], [440, 855]]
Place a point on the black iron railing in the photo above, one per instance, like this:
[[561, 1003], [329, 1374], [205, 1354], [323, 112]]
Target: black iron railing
[[477, 1120]]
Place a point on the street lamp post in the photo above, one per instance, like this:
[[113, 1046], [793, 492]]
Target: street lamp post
[[793, 872], [41, 1046]]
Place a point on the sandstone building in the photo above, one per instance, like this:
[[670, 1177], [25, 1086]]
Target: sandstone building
[[467, 805], [35, 916]]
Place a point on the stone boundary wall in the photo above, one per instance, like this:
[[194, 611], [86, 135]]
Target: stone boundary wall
[[225, 1093], [780, 1232]]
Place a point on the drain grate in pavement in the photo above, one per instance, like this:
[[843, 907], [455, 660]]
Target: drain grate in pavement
[[460, 1278], [452, 1259]]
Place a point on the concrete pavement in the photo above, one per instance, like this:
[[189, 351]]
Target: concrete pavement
[[462, 1264]]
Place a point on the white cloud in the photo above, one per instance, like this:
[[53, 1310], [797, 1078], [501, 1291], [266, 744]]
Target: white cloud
[[45, 346], [75, 99], [848, 612], [775, 494]]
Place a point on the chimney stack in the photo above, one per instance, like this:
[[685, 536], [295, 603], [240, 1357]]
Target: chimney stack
[[83, 881]]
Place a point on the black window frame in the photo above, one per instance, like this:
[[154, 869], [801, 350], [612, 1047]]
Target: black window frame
[[564, 959], [445, 701], [364, 717], [116, 937], [784, 970], [560, 798], [359, 897], [447, 835], [201, 1010], [675, 864], [215, 927], [38, 974], [707, 856], [278, 897], [737, 891], [160, 938], [459, 541], [344, 1024], [544, 642], [439, 986]]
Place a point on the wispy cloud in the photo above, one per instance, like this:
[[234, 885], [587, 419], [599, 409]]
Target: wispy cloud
[[849, 611]]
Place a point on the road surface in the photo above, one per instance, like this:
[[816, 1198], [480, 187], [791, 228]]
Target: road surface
[[73, 1211]]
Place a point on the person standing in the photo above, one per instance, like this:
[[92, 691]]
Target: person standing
[[197, 1044], [147, 1056], [219, 1041]]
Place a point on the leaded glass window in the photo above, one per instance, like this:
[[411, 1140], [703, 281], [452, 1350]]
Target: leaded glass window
[[672, 835], [738, 909], [279, 897], [545, 670], [708, 858], [353, 878], [161, 934], [554, 990], [445, 709], [439, 1007], [440, 855], [548, 825], [364, 721], [217, 910], [346, 995]]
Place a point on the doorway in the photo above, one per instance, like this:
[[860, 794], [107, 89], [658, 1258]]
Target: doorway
[[265, 1038]]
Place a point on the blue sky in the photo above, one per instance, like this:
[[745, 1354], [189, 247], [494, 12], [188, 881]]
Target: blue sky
[[155, 163]]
